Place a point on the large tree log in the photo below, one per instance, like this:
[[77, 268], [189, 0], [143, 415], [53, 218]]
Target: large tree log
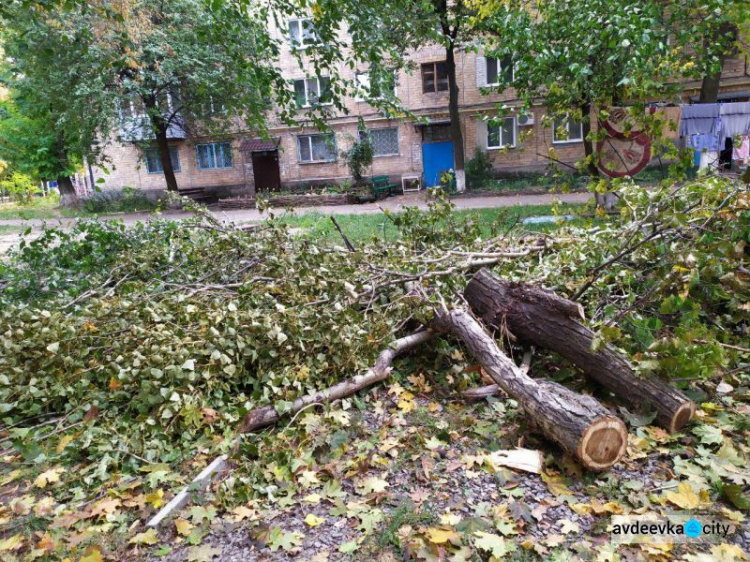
[[267, 415], [581, 425], [541, 318]]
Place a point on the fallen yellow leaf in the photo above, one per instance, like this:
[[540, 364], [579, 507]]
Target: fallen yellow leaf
[[156, 498], [441, 536], [93, 554], [685, 497], [49, 477], [313, 520], [11, 543], [183, 527], [147, 537]]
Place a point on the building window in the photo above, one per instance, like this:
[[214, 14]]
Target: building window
[[567, 130], [312, 91], [502, 135], [214, 108], [214, 155], [434, 77], [317, 148], [302, 32], [153, 160], [384, 86], [384, 141], [499, 70]]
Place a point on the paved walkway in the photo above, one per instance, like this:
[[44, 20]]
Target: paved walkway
[[392, 203]]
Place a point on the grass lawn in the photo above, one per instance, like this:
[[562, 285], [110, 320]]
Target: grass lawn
[[39, 208], [379, 227]]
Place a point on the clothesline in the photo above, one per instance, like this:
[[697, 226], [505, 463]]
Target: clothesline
[[707, 126]]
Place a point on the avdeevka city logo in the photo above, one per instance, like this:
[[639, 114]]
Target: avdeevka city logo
[[693, 528], [674, 527]]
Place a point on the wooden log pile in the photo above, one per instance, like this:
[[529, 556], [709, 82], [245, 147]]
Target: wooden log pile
[[579, 424]]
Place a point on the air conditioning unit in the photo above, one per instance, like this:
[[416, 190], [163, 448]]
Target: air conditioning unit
[[526, 120]]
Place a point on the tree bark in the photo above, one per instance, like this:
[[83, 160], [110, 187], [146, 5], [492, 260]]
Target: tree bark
[[161, 127], [456, 134], [381, 370], [579, 424], [711, 82], [68, 196], [541, 318], [166, 160]]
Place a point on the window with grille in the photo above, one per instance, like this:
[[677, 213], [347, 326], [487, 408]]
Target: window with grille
[[567, 130], [499, 70], [312, 91], [302, 32], [502, 135], [434, 77], [316, 148], [384, 141], [214, 155], [153, 160]]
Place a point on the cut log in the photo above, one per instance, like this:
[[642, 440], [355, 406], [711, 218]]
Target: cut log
[[579, 424], [381, 370], [542, 318]]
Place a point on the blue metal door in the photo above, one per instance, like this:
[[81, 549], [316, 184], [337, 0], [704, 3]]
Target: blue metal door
[[436, 157]]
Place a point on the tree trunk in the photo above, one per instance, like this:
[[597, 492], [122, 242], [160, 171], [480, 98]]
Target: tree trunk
[[160, 127], [711, 82], [381, 370], [579, 424], [541, 318], [68, 196], [166, 160], [606, 200], [456, 134]]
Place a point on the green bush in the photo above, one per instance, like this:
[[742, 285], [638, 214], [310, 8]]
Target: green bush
[[20, 186], [126, 199], [478, 169]]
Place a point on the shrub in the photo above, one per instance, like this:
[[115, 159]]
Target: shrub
[[478, 169], [126, 199], [359, 157], [20, 186]]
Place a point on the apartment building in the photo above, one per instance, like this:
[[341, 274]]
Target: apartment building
[[297, 157]]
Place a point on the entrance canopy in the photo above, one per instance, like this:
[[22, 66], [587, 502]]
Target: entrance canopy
[[259, 144]]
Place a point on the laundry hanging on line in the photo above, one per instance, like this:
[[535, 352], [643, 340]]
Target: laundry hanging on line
[[700, 119], [735, 119], [742, 150], [720, 119], [704, 142]]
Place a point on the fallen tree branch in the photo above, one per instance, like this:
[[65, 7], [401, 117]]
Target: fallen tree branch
[[475, 394], [544, 319], [349, 245], [579, 424], [381, 370]]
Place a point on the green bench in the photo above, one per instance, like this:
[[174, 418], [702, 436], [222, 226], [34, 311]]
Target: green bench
[[382, 187]]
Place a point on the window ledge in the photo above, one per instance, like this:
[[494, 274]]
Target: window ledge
[[395, 154], [215, 169], [317, 162], [502, 147], [574, 141]]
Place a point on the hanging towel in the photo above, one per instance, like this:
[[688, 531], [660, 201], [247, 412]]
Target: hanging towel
[[700, 119], [735, 119], [742, 151], [705, 142], [709, 159]]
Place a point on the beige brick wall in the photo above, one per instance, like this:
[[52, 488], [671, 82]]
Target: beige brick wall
[[531, 152]]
